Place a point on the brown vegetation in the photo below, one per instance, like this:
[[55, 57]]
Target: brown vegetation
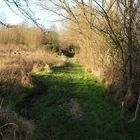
[[14, 127], [20, 34], [17, 64]]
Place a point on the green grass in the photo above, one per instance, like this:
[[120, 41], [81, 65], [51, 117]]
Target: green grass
[[100, 117]]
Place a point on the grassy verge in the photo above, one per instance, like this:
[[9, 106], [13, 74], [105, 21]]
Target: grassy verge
[[73, 106]]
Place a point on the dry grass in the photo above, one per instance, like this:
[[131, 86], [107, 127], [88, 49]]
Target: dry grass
[[24, 54], [20, 34], [14, 127], [17, 62]]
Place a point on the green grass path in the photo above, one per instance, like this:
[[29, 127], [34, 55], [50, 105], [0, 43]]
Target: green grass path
[[74, 107]]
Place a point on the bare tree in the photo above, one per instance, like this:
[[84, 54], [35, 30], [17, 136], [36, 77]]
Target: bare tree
[[116, 19]]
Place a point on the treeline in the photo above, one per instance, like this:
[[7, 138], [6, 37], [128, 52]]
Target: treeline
[[21, 35], [28, 36], [35, 37]]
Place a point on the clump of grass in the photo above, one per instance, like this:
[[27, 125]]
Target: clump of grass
[[14, 127], [13, 77]]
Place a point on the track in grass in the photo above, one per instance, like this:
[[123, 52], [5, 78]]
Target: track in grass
[[74, 107]]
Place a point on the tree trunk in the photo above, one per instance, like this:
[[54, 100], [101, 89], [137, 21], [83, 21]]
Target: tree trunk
[[130, 41], [129, 97]]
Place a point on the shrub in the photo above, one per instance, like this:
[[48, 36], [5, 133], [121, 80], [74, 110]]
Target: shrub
[[14, 127], [51, 47]]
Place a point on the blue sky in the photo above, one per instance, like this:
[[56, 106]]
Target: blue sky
[[45, 18]]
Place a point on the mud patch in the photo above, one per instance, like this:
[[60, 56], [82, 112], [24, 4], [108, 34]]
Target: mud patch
[[75, 109]]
